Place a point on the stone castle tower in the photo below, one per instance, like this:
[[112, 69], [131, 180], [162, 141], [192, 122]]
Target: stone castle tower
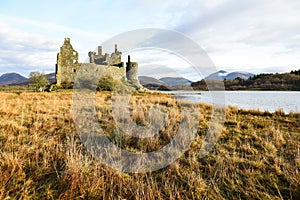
[[132, 72], [67, 65]]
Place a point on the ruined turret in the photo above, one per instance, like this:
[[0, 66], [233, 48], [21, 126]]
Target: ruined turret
[[67, 63], [132, 72], [110, 65]]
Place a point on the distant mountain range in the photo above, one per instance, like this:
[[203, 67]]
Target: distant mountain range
[[11, 79], [176, 81], [17, 79], [222, 75], [147, 80], [166, 83], [285, 81], [173, 81]]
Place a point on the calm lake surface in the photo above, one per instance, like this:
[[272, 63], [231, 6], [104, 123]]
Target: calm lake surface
[[262, 100]]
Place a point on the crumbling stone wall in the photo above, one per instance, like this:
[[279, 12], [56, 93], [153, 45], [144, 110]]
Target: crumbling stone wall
[[67, 63], [90, 73], [67, 66], [118, 73], [106, 59]]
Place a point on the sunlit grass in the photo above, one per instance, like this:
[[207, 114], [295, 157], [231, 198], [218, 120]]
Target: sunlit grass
[[42, 157]]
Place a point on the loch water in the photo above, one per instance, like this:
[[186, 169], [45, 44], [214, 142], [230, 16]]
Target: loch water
[[288, 101]]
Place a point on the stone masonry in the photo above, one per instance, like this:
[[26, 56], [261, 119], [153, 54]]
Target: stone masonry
[[67, 63], [68, 66]]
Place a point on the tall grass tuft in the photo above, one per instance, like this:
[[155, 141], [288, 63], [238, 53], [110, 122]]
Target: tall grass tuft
[[42, 157]]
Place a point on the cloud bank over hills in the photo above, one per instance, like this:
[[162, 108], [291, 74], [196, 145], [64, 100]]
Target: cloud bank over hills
[[251, 35]]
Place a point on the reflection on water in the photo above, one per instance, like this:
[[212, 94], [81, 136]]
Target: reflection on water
[[262, 100]]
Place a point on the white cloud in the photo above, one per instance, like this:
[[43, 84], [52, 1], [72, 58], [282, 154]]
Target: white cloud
[[249, 34], [254, 35], [158, 63], [24, 52]]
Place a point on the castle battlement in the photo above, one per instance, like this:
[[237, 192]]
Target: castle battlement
[[106, 59], [67, 65]]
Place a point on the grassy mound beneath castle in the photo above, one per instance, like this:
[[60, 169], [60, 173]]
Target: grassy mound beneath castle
[[41, 156]]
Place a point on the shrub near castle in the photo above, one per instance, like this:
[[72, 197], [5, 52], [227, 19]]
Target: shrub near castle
[[38, 81]]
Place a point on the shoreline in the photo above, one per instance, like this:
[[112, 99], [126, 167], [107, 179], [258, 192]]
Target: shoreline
[[43, 156]]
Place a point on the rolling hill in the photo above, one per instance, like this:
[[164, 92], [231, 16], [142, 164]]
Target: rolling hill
[[175, 81], [11, 79], [147, 80], [17, 79], [222, 75]]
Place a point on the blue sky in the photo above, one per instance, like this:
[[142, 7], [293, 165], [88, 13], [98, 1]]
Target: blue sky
[[250, 35]]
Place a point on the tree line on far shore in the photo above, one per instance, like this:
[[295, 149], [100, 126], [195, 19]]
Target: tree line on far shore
[[265, 81]]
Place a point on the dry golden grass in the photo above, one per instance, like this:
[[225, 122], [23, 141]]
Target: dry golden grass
[[41, 156]]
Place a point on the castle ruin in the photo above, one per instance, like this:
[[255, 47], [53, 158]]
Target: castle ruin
[[67, 65]]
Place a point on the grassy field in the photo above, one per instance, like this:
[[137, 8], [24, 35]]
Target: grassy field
[[42, 157]]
